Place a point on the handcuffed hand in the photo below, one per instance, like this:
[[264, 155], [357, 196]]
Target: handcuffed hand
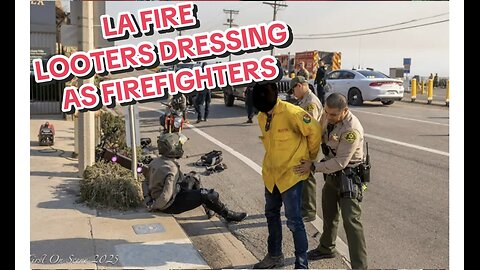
[[304, 167]]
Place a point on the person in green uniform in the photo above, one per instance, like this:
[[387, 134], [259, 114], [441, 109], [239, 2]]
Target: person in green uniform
[[342, 144], [308, 101]]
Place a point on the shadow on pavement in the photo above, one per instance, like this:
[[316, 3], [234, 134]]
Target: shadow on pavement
[[53, 174], [434, 135], [113, 253], [193, 227], [48, 151], [67, 196]]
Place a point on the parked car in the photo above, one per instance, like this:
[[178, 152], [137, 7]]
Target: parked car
[[364, 85], [238, 92]]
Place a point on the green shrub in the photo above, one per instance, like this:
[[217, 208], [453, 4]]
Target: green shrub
[[108, 185], [113, 130]]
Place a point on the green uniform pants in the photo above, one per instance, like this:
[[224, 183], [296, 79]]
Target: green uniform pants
[[332, 205], [309, 197]]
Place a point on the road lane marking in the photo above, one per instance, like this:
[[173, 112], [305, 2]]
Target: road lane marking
[[258, 169], [408, 145], [403, 118], [342, 247], [238, 155]]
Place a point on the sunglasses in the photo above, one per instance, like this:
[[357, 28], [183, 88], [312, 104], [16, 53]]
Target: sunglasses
[[291, 90], [269, 121]]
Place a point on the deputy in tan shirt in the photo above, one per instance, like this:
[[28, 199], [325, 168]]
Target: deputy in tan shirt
[[307, 99], [343, 137], [310, 103], [302, 71]]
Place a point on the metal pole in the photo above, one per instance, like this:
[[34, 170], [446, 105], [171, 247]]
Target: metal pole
[[133, 140], [274, 17], [86, 120]]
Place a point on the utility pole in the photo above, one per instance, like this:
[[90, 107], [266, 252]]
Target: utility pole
[[276, 7], [230, 23], [86, 120]]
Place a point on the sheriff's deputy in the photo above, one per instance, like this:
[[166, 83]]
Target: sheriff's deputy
[[342, 193], [310, 103]]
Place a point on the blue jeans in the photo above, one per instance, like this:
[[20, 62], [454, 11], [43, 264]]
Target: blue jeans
[[292, 199], [203, 97]]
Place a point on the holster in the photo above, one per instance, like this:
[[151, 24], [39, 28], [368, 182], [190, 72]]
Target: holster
[[350, 184]]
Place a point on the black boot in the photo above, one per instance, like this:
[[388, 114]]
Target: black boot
[[232, 216], [210, 213], [212, 201]]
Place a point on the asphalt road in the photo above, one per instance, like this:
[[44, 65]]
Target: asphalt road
[[405, 209]]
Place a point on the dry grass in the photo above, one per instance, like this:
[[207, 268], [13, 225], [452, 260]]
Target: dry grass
[[108, 185]]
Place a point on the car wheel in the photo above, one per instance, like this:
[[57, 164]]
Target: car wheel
[[355, 97], [387, 102], [228, 99]]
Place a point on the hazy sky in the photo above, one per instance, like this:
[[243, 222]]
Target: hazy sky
[[428, 46]]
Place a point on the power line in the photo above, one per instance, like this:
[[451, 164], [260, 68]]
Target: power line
[[374, 28], [276, 7], [377, 32], [230, 23]]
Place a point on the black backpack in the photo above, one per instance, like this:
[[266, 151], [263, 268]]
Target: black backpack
[[211, 158]]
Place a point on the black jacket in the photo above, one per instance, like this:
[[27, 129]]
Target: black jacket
[[320, 77]]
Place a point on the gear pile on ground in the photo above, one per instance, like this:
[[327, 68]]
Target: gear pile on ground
[[212, 161]]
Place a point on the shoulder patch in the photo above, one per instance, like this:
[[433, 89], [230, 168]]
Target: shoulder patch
[[351, 136], [311, 107], [307, 119]]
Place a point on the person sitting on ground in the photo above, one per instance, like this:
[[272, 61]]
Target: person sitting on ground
[[168, 189]]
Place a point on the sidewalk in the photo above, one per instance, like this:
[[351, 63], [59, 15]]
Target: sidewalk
[[65, 234]]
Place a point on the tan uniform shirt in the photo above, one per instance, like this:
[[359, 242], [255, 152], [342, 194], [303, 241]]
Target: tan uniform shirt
[[312, 105], [303, 72], [346, 141]]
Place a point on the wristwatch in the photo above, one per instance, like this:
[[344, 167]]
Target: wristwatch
[[312, 168]]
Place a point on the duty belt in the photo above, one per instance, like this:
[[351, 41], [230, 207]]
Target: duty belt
[[346, 170]]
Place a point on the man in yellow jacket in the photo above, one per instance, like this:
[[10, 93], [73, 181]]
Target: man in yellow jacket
[[289, 134]]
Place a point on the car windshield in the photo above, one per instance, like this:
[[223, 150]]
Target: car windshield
[[372, 74]]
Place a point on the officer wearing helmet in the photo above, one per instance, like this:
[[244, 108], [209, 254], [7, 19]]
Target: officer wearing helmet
[[168, 189]]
